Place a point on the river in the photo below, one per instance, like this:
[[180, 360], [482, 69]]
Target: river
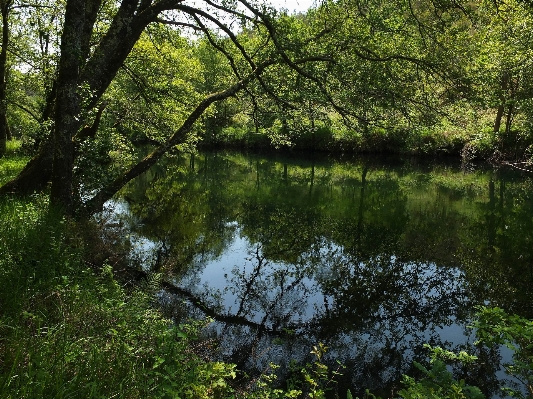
[[371, 257]]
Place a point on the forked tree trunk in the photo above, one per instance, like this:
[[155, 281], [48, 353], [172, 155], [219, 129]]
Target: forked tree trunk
[[97, 73]]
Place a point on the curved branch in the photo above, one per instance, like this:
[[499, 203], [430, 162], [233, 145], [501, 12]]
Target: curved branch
[[194, 11], [180, 24], [272, 32], [233, 12], [96, 203], [218, 47]]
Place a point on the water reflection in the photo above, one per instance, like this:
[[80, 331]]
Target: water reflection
[[373, 260]]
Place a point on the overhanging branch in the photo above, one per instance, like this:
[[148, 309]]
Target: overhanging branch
[[96, 203], [179, 24]]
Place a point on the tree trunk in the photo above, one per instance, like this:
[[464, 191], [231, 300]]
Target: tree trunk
[[504, 85], [9, 135], [38, 171], [498, 119], [3, 144], [4, 128], [97, 73], [67, 117]]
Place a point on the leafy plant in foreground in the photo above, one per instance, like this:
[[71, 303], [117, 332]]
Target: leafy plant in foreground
[[437, 382], [496, 327]]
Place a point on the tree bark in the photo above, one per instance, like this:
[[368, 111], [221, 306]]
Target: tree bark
[[67, 117], [4, 127], [97, 73], [9, 135], [125, 30]]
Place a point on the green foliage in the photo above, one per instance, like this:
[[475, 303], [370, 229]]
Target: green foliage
[[494, 326], [103, 158], [437, 382], [315, 378], [66, 331]]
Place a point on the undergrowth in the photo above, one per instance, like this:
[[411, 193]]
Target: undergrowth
[[67, 331]]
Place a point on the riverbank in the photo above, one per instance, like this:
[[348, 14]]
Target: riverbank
[[467, 145]]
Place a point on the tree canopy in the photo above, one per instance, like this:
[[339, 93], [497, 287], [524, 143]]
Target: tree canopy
[[83, 81]]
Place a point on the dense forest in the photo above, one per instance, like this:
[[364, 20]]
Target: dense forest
[[86, 86]]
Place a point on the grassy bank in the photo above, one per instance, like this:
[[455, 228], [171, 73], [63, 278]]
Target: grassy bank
[[69, 329], [13, 162], [468, 140]]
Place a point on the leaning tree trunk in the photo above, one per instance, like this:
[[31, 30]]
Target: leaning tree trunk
[[96, 203], [38, 171], [96, 74]]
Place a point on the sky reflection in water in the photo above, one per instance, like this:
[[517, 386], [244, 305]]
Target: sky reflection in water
[[372, 259]]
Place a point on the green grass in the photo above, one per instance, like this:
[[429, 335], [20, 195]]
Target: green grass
[[68, 331], [12, 162]]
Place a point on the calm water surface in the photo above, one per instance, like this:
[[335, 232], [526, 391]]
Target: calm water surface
[[372, 259]]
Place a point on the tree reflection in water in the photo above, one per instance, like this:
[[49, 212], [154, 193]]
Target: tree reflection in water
[[371, 260]]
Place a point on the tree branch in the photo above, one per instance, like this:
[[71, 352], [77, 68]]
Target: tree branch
[[28, 111], [180, 24], [194, 11], [96, 203]]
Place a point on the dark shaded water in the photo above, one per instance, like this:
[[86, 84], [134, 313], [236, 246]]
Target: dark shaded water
[[372, 259]]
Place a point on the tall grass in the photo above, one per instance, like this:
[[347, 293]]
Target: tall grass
[[66, 331]]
